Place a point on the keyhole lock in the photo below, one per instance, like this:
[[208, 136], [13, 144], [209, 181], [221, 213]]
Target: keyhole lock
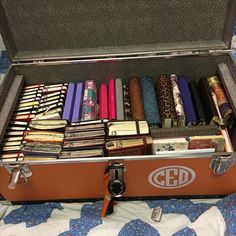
[[116, 184]]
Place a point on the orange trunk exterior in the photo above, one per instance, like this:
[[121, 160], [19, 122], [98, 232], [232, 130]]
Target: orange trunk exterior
[[143, 178]]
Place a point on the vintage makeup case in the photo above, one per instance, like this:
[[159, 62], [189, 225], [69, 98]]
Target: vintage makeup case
[[57, 41]]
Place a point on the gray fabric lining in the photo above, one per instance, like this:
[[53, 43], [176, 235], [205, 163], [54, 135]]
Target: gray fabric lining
[[193, 67], [61, 28]]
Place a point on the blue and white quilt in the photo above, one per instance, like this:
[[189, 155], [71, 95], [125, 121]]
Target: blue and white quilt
[[130, 218]]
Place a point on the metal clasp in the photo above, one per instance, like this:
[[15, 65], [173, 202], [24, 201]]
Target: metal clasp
[[221, 164], [18, 173]]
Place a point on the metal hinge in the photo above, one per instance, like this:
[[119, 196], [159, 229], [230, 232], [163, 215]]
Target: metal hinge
[[221, 164], [38, 61], [16, 63], [198, 52], [18, 173]]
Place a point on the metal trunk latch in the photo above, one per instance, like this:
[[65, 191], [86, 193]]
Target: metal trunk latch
[[116, 184], [18, 173], [221, 164]]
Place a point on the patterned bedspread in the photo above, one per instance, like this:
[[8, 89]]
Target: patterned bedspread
[[131, 218]]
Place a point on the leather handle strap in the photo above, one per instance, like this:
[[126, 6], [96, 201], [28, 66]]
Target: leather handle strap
[[107, 206]]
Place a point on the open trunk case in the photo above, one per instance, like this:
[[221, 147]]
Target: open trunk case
[[60, 41]]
